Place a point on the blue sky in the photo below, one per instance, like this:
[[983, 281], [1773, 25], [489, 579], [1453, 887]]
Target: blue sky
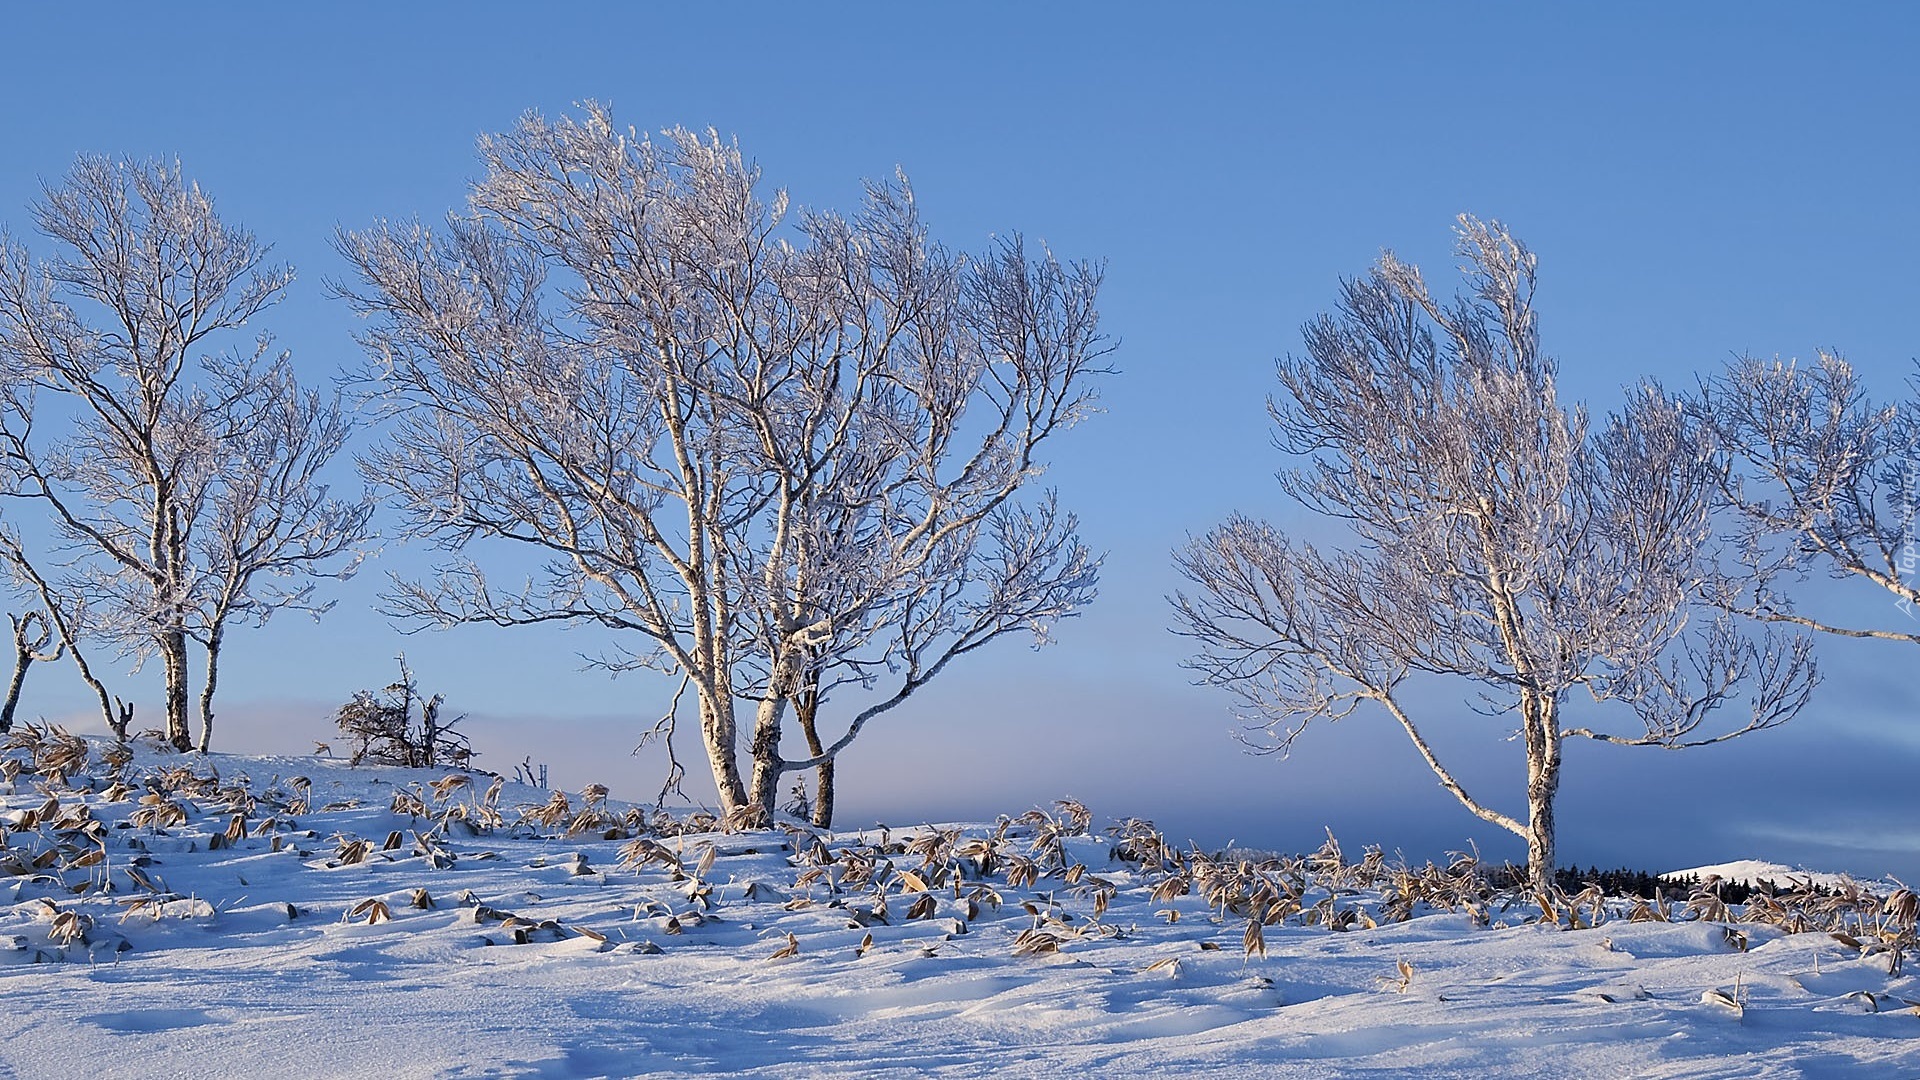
[[1698, 180]]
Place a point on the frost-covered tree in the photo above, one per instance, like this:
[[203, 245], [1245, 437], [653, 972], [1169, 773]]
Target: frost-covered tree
[[1497, 540], [743, 434], [270, 529], [891, 544], [162, 452], [1821, 479], [64, 614], [1019, 568], [32, 638]]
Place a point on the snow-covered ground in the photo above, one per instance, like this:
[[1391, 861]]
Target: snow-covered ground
[[1755, 871], [176, 924]]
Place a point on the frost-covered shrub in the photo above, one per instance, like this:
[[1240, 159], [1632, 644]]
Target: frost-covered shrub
[[396, 726]]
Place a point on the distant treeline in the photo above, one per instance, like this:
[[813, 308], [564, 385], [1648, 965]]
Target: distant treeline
[[1624, 882]]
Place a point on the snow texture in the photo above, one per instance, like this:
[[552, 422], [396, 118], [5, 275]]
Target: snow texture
[[176, 952]]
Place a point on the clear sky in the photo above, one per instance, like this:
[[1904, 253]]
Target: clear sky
[[1698, 180]]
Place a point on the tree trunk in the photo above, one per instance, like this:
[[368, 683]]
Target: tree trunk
[[717, 732], [767, 766], [118, 724], [32, 633], [173, 649], [23, 659], [806, 708], [206, 692], [430, 732], [1540, 789], [1543, 783]]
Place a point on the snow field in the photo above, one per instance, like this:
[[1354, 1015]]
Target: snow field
[[336, 930]]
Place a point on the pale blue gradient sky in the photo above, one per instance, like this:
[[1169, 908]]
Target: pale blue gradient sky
[[1698, 180]]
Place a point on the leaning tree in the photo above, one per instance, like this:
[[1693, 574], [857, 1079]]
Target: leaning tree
[[753, 439], [155, 439], [1496, 540]]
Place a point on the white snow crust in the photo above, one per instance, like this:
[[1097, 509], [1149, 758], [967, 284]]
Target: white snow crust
[[201, 972]]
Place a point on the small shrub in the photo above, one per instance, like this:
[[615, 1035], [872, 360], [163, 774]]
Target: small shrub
[[399, 727]]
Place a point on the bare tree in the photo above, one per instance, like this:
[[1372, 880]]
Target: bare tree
[[63, 614], [890, 543], [101, 341], [1021, 568], [1499, 541], [706, 393], [270, 528], [32, 637], [1821, 479]]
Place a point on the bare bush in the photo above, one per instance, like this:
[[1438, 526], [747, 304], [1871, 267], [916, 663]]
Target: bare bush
[[397, 726]]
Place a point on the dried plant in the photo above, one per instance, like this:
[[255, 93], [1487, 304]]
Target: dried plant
[[409, 800], [352, 850], [374, 910], [641, 852], [1255, 940], [70, 927], [1902, 909], [59, 753], [444, 788], [792, 948], [1705, 902], [302, 799], [1036, 942], [1648, 910], [1137, 841], [1020, 871], [157, 811], [550, 814], [1405, 980]]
